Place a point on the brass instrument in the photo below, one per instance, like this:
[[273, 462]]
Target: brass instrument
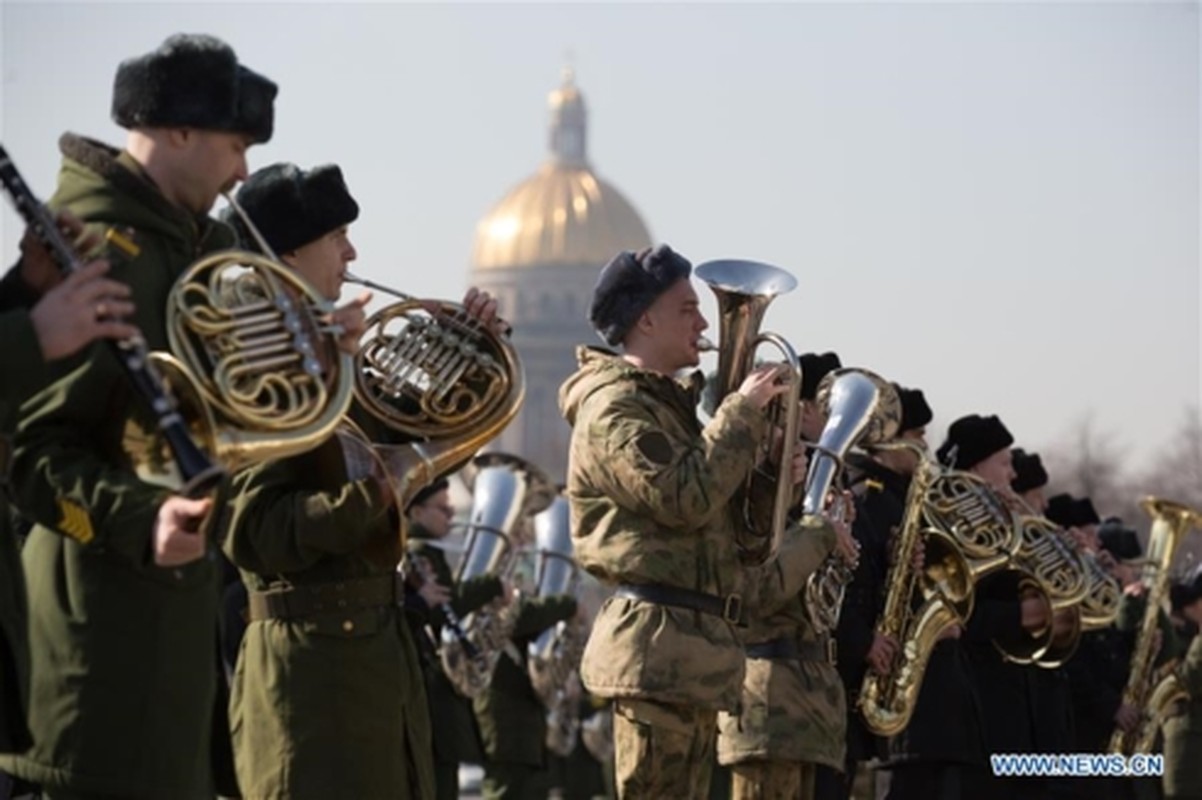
[[506, 490], [1154, 692], [554, 657], [1076, 585], [862, 409], [442, 383], [744, 289], [254, 363], [967, 533]]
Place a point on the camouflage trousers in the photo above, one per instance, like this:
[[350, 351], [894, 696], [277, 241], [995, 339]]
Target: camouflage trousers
[[772, 780], [663, 750]]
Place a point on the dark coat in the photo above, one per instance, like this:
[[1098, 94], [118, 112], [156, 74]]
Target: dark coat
[[1097, 675], [1006, 689], [947, 724], [122, 651], [327, 704], [456, 736], [513, 721]]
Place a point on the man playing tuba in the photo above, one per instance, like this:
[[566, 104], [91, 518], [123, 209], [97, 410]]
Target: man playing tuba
[[649, 489]]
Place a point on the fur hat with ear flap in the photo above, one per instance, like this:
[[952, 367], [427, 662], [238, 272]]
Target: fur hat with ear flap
[[629, 284], [193, 81], [915, 411], [1028, 472], [814, 368], [971, 440], [291, 206]]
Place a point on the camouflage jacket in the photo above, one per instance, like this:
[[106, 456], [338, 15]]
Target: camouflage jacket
[[650, 490], [792, 709]]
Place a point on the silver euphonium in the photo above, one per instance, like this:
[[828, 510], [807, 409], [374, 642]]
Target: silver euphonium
[[554, 657], [862, 409], [506, 490], [744, 289]]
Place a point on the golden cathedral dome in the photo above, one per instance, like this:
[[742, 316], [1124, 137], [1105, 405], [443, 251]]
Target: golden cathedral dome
[[563, 214]]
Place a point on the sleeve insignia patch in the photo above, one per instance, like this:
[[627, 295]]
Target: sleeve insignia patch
[[75, 521]]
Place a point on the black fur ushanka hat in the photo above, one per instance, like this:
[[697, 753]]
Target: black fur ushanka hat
[[915, 411], [971, 440], [292, 207], [1028, 472], [195, 81]]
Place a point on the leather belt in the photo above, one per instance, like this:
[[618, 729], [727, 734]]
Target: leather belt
[[787, 649], [729, 608], [306, 600]]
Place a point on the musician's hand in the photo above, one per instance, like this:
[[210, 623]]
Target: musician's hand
[[1135, 589], [434, 594], [881, 653], [764, 383], [82, 308], [481, 305], [954, 631], [352, 319], [1063, 623], [845, 544], [918, 558], [176, 541], [38, 269], [1035, 613], [1127, 717]]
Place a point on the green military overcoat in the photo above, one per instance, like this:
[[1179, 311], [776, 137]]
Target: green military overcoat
[[329, 704], [122, 651]]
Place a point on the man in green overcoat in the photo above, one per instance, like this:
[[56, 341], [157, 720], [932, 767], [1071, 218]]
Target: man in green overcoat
[[39, 329], [123, 600]]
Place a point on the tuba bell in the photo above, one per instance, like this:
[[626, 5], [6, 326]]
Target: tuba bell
[[438, 383], [744, 290], [506, 490], [1152, 691], [862, 409]]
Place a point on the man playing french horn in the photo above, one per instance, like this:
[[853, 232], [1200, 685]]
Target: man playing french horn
[[327, 696], [650, 492]]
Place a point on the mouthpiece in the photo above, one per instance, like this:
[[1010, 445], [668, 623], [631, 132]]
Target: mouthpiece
[[705, 345]]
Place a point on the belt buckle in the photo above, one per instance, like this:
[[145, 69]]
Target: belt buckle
[[732, 608]]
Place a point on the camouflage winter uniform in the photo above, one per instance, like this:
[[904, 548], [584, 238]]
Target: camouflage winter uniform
[[794, 708], [650, 491]]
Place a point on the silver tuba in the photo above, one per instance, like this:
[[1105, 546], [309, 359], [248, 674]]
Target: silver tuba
[[862, 408], [744, 290], [506, 490], [554, 657]]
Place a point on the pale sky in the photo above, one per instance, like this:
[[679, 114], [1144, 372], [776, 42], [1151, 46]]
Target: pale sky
[[998, 203]]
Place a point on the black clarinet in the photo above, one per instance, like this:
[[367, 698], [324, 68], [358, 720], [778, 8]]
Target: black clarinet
[[423, 573], [199, 473]]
